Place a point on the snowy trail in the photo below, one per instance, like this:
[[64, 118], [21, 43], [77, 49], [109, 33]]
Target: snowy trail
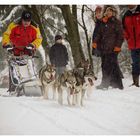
[[105, 112]]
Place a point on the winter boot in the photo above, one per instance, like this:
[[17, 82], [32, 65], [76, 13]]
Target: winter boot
[[102, 87], [135, 80]]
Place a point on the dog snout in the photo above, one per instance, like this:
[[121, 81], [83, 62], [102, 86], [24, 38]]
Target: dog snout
[[73, 87], [95, 78]]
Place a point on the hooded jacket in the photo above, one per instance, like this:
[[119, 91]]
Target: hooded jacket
[[110, 35]]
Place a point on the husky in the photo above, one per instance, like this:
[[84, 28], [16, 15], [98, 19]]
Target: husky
[[85, 81], [47, 75], [79, 75], [66, 81], [89, 79], [77, 83]]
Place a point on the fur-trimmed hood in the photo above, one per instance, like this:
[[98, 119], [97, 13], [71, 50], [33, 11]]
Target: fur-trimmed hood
[[115, 9]]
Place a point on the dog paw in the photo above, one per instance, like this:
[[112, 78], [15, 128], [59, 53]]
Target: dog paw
[[45, 97]]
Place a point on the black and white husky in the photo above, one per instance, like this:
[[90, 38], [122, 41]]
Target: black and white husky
[[85, 81], [47, 75], [66, 82]]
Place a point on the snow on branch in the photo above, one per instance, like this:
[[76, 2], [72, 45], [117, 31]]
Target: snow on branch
[[13, 11]]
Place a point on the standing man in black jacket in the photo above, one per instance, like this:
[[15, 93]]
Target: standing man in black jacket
[[59, 55]]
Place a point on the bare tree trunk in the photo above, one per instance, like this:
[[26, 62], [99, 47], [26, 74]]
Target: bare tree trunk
[[73, 32]]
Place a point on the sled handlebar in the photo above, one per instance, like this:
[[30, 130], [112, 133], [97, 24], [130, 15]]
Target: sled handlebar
[[11, 54], [35, 56]]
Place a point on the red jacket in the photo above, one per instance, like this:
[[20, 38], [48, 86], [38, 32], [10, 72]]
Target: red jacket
[[131, 24], [20, 37]]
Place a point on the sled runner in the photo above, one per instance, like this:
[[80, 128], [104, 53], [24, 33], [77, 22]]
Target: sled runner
[[23, 77]]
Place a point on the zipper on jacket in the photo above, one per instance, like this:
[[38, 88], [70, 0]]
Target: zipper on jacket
[[134, 31]]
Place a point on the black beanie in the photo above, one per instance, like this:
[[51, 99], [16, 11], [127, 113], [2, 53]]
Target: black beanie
[[57, 37], [26, 15]]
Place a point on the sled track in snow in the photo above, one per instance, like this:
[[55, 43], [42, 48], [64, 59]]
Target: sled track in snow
[[46, 117], [94, 123], [91, 122], [68, 109]]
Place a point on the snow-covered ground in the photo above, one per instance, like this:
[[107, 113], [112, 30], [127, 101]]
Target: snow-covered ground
[[105, 112]]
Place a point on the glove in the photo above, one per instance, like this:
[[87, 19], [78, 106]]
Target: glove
[[9, 48], [95, 51], [94, 45], [117, 49], [30, 49]]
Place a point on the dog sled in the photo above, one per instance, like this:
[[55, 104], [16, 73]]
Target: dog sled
[[23, 77]]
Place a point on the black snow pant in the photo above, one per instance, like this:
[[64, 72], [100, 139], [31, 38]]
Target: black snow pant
[[135, 54], [111, 73]]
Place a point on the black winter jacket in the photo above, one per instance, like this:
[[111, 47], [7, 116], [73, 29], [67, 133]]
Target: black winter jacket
[[58, 55]]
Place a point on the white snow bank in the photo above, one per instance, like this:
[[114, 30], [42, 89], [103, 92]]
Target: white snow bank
[[106, 112]]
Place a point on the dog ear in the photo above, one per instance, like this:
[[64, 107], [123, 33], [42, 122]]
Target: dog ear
[[79, 65], [87, 60], [82, 62], [53, 65], [47, 63], [74, 70]]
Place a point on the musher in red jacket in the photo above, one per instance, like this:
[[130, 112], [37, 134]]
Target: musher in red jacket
[[22, 36]]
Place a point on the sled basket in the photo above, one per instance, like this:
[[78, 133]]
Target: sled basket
[[23, 75]]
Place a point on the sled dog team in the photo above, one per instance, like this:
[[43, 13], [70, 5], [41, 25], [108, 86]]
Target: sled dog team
[[23, 37], [74, 83]]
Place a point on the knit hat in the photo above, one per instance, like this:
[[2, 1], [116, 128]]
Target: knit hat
[[26, 15], [98, 8], [57, 37]]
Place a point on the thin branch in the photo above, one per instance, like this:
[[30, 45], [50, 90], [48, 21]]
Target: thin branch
[[43, 11], [80, 24], [89, 9], [84, 25]]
